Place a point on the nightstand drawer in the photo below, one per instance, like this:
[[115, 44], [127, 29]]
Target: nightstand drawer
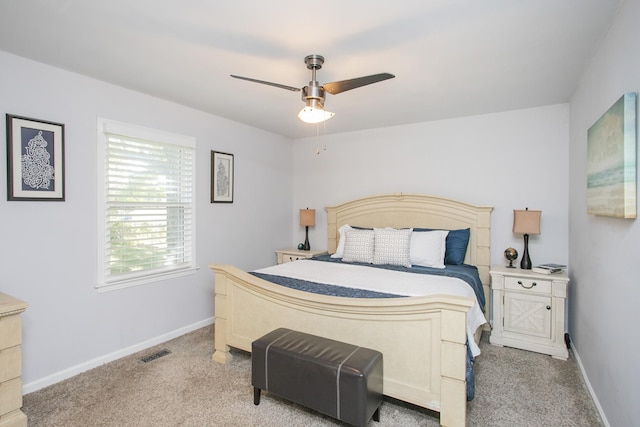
[[291, 258], [528, 285], [290, 255]]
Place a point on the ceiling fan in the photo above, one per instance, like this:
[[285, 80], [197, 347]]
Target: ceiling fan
[[314, 94]]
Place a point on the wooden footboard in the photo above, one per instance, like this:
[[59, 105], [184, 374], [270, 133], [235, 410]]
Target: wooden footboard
[[422, 339]]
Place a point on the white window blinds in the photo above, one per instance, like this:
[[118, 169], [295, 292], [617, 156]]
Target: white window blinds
[[147, 205]]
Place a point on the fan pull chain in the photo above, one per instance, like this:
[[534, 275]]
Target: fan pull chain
[[324, 128]]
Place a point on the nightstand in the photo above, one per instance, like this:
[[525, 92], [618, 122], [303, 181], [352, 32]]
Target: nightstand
[[529, 310], [288, 255]]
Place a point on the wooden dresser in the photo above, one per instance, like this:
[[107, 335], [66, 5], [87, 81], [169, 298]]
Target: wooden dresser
[[11, 362]]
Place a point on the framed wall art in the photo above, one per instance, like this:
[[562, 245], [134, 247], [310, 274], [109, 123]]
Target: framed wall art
[[35, 159], [221, 177], [611, 161]]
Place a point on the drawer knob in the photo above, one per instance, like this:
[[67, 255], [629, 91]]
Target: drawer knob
[[548, 307], [527, 287]]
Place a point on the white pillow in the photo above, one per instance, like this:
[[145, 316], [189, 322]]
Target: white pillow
[[428, 248], [358, 246], [340, 248], [392, 246]]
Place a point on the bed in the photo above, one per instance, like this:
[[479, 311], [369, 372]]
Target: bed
[[423, 338]]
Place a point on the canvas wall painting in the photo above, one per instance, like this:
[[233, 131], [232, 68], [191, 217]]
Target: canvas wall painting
[[611, 167]]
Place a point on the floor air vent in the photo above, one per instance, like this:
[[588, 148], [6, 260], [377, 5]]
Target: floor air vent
[[154, 356]]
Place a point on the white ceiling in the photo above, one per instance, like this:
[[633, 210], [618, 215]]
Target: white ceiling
[[451, 58]]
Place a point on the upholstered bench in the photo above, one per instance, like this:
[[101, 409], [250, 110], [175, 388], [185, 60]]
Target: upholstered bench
[[341, 380]]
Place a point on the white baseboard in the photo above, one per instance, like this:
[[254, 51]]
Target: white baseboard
[[90, 364], [588, 384]]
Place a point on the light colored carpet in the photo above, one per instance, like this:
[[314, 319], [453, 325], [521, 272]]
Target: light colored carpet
[[187, 388]]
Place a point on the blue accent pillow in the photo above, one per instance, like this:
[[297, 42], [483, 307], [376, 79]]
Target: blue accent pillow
[[457, 241]]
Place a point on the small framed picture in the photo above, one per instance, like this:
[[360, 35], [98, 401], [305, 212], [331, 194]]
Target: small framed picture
[[221, 177], [35, 159]]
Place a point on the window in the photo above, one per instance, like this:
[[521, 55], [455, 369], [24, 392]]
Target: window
[[146, 205]]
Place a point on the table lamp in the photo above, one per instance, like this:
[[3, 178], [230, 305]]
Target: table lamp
[[526, 222], [307, 219]]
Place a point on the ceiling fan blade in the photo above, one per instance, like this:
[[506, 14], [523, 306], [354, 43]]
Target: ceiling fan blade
[[344, 85], [291, 88]]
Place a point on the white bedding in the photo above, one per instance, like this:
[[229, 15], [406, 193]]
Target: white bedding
[[381, 280]]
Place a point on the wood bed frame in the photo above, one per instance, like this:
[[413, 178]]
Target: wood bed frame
[[422, 339]]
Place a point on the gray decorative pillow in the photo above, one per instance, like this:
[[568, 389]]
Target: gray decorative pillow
[[392, 246], [358, 246]]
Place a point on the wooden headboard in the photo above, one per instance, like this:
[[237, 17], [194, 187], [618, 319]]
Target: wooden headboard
[[403, 210]]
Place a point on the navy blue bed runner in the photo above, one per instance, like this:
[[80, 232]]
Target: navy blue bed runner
[[468, 273]]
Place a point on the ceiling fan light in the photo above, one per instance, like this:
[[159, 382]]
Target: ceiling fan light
[[314, 115]]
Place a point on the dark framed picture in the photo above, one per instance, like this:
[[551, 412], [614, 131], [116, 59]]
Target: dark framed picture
[[221, 177], [35, 159]]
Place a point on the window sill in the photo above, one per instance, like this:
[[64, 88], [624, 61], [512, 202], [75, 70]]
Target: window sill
[[145, 280]]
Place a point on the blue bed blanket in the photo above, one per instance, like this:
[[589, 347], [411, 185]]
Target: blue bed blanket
[[467, 273]]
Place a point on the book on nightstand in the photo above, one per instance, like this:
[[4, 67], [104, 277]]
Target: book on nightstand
[[548, 268]]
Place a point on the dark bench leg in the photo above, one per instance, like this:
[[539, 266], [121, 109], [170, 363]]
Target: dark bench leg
[[256, 396], [376, 415]]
